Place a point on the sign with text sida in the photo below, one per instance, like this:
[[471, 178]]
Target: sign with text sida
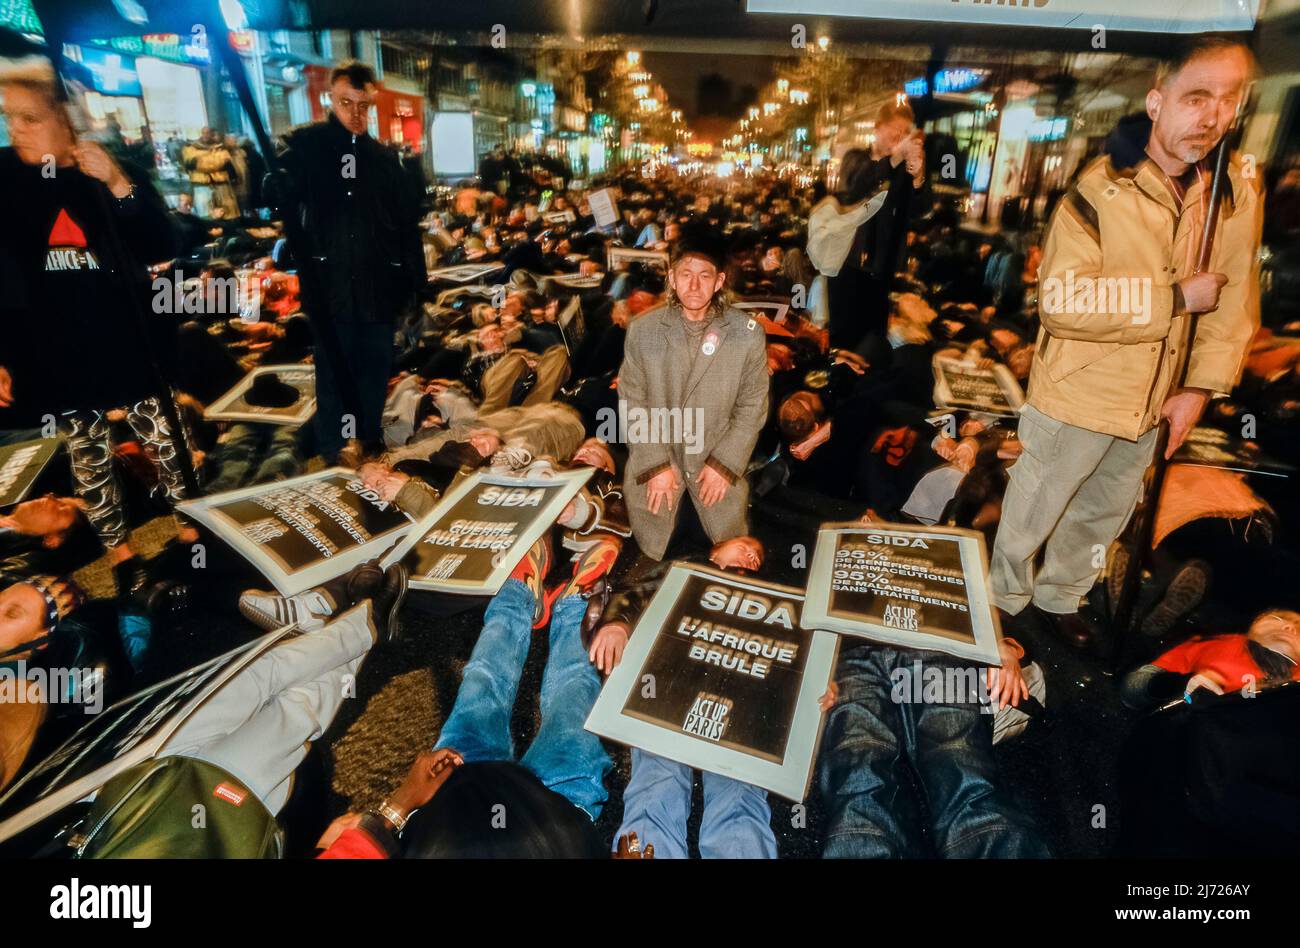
[[476, 535], [913, 587], [719, 675], [306, 530]]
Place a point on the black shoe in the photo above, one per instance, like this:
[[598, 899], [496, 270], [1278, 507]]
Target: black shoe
[[166, 598], [1071, 628], [363, 582], [132, 579], [386, 603]]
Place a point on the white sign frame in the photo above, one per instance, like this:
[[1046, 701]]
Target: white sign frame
[[286, 583], [1006, 382], [985, 625], [616, 255], [547, 514], [304, 407], [464, 273], [792, 778]]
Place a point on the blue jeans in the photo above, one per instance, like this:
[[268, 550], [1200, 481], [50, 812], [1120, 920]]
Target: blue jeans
[[872, 741], [563, 756], [737, 822]]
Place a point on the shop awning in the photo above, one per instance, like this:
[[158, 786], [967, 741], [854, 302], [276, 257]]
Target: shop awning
[[1162, 16], [1033, 24]]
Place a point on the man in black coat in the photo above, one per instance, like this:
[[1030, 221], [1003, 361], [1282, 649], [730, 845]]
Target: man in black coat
[[363, 238]]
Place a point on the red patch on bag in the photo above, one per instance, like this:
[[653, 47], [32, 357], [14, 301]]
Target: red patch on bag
[[230, 793]]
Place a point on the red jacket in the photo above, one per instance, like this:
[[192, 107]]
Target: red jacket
[[360, 843], [1226, 655]]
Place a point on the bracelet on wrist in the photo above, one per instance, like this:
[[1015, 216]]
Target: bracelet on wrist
[[393, 815]]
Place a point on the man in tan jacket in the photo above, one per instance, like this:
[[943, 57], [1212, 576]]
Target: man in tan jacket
[[1117, 291]]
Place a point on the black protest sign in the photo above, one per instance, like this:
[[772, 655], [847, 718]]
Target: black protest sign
[[719, 675], [959, 384], [573, 327], [476, 535], [306, 530], [21, 464], [914, 587]]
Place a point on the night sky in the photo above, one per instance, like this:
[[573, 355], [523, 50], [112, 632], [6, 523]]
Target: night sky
[[680, 74]]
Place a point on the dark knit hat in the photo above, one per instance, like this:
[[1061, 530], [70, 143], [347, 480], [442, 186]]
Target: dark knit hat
[[701, 241]]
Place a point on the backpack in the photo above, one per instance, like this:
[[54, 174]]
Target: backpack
[[149, 811], [831, 229]]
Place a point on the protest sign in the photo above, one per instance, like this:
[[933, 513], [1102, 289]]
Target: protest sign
[[914, 587], [573, 327], [719, 675], [575, 281], [959, 384], [272, 394], [21, 464], [618, 257], [463, 273], [774, 310], [480, 530], [119, 737], [1212, 447], [603, 207], [303, 531]]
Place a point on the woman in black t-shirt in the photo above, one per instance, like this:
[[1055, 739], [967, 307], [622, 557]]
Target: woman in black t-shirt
[[72, 344]]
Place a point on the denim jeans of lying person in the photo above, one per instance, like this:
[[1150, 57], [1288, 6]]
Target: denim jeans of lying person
[[563, 756], [883, 741]]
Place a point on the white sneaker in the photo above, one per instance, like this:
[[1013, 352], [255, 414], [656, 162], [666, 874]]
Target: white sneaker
[[309, 610]]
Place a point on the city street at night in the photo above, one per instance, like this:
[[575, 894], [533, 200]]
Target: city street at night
[[731, 429]]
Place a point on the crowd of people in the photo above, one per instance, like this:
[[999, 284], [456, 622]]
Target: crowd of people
[[817, 406]]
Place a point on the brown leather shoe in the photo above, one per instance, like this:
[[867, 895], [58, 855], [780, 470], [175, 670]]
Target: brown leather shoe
[[1071, 628]]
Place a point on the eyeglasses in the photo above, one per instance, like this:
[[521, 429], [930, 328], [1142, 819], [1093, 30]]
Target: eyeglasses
[[359, 106]]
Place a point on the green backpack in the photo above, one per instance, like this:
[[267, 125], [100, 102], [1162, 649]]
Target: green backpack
[[178, 808]]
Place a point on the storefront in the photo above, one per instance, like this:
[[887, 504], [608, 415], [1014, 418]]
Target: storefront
[[401, 119], [173, 96], [155, 80], [397, 118], [114, 99]]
